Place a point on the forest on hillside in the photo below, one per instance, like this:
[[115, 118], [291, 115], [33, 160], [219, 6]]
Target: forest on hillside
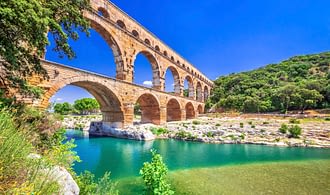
[[299, 83]]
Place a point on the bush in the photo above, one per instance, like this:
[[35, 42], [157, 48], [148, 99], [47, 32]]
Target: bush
[[284, 128], [241, 125], [88, 185], [327, 119], [196, 122], [253, 126], [217, 125], [154, 176], [295, 131], [159, 131], [265, 123], [250, 122], [294, 121], [209, 134]]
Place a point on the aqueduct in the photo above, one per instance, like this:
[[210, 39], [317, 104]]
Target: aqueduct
[[117, 96]]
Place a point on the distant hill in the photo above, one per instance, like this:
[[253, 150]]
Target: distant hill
[[300, 82]]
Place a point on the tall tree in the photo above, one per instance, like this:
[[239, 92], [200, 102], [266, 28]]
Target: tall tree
[[23, 36], [86, 105]]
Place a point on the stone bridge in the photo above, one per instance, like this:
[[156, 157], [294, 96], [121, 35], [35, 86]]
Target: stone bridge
[[117, 96]]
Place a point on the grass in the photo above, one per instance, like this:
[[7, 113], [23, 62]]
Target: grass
[[296, 177]]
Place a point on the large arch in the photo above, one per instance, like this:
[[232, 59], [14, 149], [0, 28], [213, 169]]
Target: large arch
[[155, 69], [176, 78], [199, 91], [113, 44], [191, 92], [110, 104], [173, 110], [190, 111], [200, 109], [150, 109]]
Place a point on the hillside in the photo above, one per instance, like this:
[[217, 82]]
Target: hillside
[[300, 82]]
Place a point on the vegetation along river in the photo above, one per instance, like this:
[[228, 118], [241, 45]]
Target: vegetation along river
[[206, 163]]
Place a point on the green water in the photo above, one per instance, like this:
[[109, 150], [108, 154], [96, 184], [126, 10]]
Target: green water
[[124, 158]]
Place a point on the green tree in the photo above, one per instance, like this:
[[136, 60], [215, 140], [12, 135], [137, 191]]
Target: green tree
[[154, 176], [307, 98], [63, 108], [287, 95], [86, 105], [23, 36]]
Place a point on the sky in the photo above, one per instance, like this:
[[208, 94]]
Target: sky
[[218, 37]]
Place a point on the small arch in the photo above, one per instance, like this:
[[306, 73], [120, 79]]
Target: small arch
[[150, 109], [165, 53], [135, 33], [121, 24], [157, 48], [103, 12], [190, 111], [147, 41], [199, 96], [172, 58], [178, 62], [184, 66], [173, 110], [200, 109]]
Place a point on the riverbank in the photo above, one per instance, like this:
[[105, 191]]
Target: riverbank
[[241, 129], [293, 177]]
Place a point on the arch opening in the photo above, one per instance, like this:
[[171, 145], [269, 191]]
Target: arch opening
[[103, 12], [199, 96], [142, 63], [172, 80], [121, 24], [190, 111], [109, 104], [147, 41], [135, 34], [188, 87], [173, 110], [200, 109], [206, 93], [149, 109]]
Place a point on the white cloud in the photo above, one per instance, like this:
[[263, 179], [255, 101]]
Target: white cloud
[[173, 84], [147, 83], [59, 99]]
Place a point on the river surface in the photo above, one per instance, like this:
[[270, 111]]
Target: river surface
[[124, 158]]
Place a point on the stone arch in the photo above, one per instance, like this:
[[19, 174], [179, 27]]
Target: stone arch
[[135, 33], [110, 104], [165, 53], [113, 44], [190, 111], [176, 78], [173, 110], [199, 96], [103, 12], [191, 92], [206, 93], [172, 58], [157, 48], [150, 108], [121, 24], [200, 109], [155, 69]]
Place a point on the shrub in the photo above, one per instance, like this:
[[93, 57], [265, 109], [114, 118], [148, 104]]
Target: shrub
[[295, 131], [242, 136], [265, 123], [294, 121], [250, 122], [154, 176], [196, 122], [283, 129], [209, 134], [253, 126], [327, 119], [159, 131], [262, 130], [88, 185], [217, 125], [241, 125]]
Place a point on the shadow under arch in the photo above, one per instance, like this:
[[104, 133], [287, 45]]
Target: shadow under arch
[[155, 68], [190, 111], [173, 110], [110, 104], [150, 108]]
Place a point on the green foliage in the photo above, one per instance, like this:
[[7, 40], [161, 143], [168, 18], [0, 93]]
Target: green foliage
[[298, 83], [253, 126], [23, 36], [63, 108], [284, 128], [294, 121], [154, 176], [137, 109], [241, 125], [159, 131], [185, 135], [295, 131], [218, 125], [195, 122], [88, 184], [327, 119], [209, 134], [265, 123], [86, 105]]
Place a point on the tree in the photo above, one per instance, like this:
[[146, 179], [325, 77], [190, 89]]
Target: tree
[[287, 95], [154, 176], [63, 108], [86, 105], [307, 98], [23, 37]]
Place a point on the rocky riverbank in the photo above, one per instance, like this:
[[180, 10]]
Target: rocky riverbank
[[231, 130]]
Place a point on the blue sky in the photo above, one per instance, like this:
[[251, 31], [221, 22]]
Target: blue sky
[[218, 36]]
